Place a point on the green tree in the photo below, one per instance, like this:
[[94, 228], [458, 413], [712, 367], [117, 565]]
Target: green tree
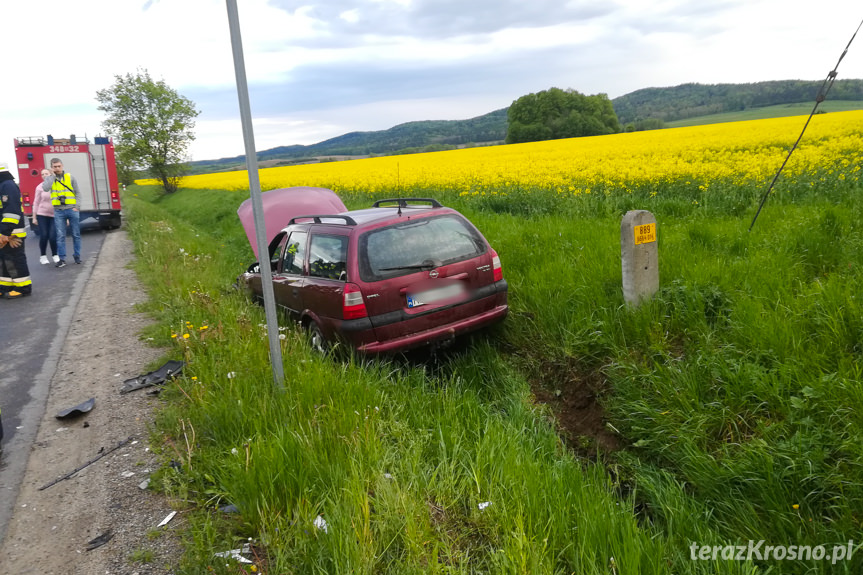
[[556, 113], [151, 125]]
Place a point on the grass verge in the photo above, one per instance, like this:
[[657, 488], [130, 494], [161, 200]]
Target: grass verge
[[731, 397]]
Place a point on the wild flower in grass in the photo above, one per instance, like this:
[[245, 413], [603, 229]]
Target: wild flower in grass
[[185, 336], [321, 524], [795, 506]]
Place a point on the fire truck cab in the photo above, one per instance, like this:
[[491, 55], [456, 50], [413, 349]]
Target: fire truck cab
[[92, 164]]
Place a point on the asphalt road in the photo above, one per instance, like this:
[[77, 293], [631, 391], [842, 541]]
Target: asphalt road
[[32, 331]]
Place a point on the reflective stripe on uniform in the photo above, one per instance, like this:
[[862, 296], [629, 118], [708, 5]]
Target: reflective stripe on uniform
[[17, 282], [58, 191]]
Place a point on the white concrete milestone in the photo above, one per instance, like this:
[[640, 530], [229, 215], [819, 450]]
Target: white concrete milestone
[[639, 256]]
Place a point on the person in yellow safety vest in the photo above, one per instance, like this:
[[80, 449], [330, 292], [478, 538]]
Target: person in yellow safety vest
[[64, 198], [14, 273]]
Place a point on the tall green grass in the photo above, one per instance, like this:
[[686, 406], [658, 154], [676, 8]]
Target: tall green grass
[[396, 457], [734, 393]]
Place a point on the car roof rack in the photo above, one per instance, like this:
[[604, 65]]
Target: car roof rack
[[349, 221], [403, 202]]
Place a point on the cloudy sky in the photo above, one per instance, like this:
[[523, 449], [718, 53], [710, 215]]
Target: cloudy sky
[[321, 68]]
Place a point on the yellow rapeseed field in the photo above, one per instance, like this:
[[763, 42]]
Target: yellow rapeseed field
[[735, 153]]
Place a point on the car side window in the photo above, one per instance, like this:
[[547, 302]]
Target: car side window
[[328, 257], [277, 246], [295, 253]]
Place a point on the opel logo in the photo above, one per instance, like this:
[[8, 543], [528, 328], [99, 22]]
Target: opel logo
[[433, 274]]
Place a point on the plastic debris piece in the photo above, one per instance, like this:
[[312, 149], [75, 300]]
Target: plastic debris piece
[[79, 409], [168, 371], [321, 523], [102, 453], [100, 540], [166, 519], [127, 474], [235, 554], [144, 484], [387, 476], [483, 505]]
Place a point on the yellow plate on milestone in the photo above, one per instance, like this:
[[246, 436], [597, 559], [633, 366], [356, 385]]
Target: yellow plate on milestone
[[645, 234]]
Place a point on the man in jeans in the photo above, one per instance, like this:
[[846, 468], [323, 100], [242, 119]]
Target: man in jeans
[[64, 198]]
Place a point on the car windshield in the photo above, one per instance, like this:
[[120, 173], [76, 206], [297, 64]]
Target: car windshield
[[418, 244]]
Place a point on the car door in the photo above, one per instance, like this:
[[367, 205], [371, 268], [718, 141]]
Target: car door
[[288, 272], [323, 290]]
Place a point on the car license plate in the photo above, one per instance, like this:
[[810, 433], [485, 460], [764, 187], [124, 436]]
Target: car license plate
[[435, 295]]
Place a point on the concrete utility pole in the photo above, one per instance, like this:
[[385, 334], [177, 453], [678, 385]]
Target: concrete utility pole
[[255, 192]]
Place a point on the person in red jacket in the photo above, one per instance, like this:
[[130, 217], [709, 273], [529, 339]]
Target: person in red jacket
[[14, 273]]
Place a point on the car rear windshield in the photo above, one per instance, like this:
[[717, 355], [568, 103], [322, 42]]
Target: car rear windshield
[[418, 244]]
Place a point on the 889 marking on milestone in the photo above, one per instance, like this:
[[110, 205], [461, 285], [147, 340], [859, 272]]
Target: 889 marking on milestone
[[645, 234]]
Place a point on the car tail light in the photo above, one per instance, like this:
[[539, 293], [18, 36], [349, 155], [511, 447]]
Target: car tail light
[[354, 307], [495, 265], [115, 196]]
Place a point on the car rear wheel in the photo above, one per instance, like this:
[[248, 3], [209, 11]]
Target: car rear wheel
[[317, 340]]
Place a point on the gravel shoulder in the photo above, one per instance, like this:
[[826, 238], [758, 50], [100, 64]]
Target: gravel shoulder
[[50, 528]]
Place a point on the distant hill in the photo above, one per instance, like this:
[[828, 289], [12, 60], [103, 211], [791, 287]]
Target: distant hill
[[694, 100], [411, 137], [674, 106]]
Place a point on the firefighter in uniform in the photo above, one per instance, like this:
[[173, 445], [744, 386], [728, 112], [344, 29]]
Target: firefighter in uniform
[[14, 273]]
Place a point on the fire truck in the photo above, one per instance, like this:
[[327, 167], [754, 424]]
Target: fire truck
[[92, 164]]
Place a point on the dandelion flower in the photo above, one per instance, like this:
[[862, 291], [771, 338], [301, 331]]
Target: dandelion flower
[[795, 506], [185, 336]]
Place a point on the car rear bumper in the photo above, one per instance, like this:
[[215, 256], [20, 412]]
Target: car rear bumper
[[438, 334]]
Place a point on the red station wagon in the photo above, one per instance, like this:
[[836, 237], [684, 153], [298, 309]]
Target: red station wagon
[[402, 274]]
